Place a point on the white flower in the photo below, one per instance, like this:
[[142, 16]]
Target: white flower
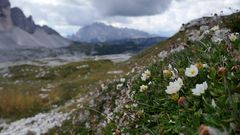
[[233, 36], [122, 80], [146, 75], [215, 28], [200, 89], [119, 86], [174, 87], [150, 83], [192, 71], [143, 88], [104, 87], [205, 66]]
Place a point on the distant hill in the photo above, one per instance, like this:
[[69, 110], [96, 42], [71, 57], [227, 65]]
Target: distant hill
[[100, 32]]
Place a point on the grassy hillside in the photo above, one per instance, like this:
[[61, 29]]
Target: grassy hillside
[[180, 86], [188, 84]]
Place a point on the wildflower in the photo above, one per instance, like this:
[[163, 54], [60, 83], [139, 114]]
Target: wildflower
[[143, 88], [205, 66], [122, 80], [200, 89], [201, 66], [119, 86], [104, 87], [170, 72], [167, 73], [135, 105], [233, 37], [146, 75], [192, 71], [174, 87], [150, 83]]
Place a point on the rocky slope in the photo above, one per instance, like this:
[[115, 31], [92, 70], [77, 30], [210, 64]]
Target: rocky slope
[[18, 31], [186, 85], [99, 32]]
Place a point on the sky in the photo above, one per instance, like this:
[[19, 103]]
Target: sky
[[161, 17]]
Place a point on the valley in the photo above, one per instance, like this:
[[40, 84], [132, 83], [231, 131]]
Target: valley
[[108, 80]]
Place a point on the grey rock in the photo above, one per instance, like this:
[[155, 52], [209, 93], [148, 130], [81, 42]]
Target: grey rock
[[20, 32], [49, 30], [27, 23], [4, 4], [20, 20]]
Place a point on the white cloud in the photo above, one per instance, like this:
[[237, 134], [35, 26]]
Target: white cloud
[[66, 16]]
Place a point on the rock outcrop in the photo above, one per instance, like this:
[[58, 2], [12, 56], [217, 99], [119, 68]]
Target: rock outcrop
[[5, 15], [19, 32], [21, 21], [27, 23]]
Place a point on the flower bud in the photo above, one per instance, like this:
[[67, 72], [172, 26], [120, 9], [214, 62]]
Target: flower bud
[[204, 130], [222, 71], [118, 132], [199, 65], [182, 101], [167, 73]]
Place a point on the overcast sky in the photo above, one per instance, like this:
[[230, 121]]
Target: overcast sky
[[163, 17]]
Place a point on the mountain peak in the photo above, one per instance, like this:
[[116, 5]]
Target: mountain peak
[[100, 32]]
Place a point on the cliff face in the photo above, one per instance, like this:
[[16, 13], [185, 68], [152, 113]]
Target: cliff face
[[20, 20], [19, 31], [27, 23], [5, 15]]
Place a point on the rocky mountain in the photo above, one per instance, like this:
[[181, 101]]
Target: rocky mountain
[[100, 32], [19, 31]]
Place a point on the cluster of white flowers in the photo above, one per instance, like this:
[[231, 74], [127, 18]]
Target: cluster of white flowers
[[200, 89], [174, 87], [192, 71], [146, 75], [233, 36]]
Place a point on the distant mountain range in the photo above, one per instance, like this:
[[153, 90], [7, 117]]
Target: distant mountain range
[[100, 32], [19, 31], [22, 39]]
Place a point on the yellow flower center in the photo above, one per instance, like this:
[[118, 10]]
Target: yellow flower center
[[193, 72]]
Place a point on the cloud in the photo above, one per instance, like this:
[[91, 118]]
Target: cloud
[[162, 17], [131, 7]]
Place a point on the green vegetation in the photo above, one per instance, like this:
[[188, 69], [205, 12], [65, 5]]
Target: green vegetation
[[169, 115], [20, 92], [206, 101]]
